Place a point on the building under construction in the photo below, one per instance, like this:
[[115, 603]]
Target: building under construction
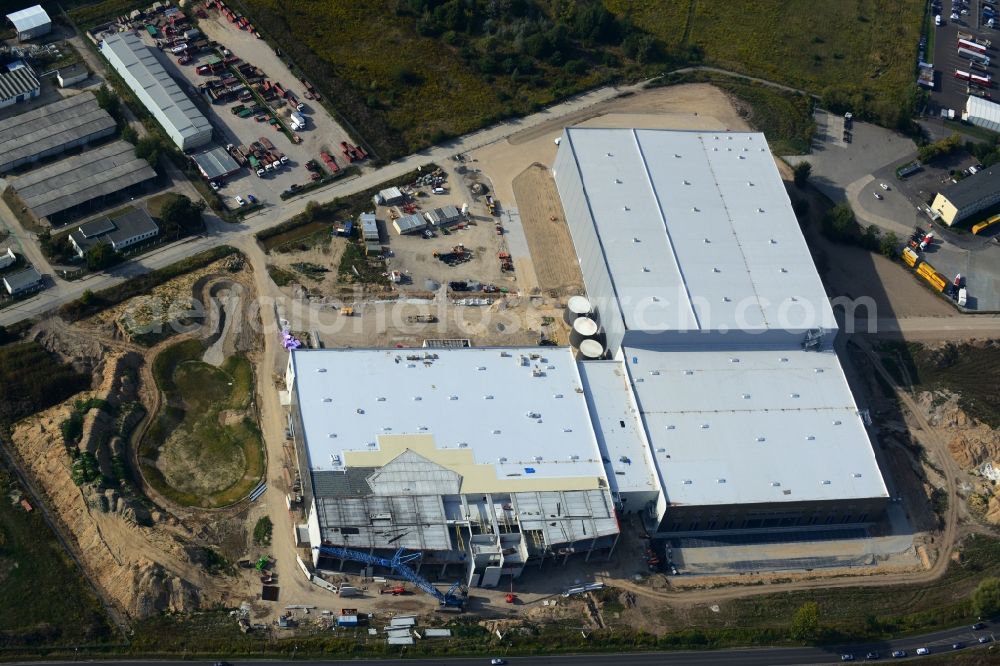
[[483, 460]]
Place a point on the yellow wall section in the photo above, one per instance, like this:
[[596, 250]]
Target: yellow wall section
[[476, 478]]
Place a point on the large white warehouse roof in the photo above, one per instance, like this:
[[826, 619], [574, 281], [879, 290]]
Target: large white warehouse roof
[[741, 427], [506, 419], [696, 230]]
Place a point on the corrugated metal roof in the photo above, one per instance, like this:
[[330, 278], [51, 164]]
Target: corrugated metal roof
[[75, 180], [738, 427], [156, 86], [29, 19], [410, 223], [54, 125], [216, 162], [696, 230], [18, 81]]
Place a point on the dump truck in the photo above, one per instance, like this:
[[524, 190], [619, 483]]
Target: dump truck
[[264, 141]]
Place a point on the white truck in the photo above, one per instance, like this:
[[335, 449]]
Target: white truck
[[298, 121]]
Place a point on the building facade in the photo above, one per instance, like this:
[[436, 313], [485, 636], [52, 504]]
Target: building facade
[[962, 200]]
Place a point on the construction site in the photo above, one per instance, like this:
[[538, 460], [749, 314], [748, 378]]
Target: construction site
[[504, 423]]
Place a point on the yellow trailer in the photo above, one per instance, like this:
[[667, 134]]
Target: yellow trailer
[[910, 258], [976, 228], [936, 280]]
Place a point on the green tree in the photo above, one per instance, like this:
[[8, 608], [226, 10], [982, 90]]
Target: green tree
[[87, 297], [149, 148], [181, 215], [262, 531], [839, 223], [100, 256], [805, 622], [986, 598], [801, 174], [129, 134], [889, 245], [108, 100]]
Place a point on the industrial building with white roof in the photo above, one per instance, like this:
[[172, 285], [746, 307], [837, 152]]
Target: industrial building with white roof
[[173, 109], [708, 296], [478, 457], [720, 404]]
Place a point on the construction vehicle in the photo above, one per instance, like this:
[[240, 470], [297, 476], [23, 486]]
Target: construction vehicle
[[400, 564], [506, 263], [347, 311], [491, 203]]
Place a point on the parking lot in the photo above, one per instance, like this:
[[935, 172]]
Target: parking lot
[[320, 133], [949, 91]]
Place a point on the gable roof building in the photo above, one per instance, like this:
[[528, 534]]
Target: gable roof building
[[30, 22], [173, 109]]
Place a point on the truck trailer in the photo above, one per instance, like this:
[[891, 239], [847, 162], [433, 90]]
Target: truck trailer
[[974, 56]]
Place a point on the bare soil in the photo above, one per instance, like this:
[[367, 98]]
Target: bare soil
[[548, 234]]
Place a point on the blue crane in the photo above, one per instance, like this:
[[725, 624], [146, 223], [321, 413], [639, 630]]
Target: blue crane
[[399, 563]]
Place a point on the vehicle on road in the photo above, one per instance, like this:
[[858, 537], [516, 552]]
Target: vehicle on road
[[871, 656], [983, 640], [923, 651], [847, 657], [898, 654], [884, 186], [497, 661], [979, 626], [957, 646], [878, 196]]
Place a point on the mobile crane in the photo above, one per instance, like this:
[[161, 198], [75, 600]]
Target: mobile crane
[[399, 563]]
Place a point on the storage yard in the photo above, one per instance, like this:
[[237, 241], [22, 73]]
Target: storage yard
[[545, 367], [263, 116]]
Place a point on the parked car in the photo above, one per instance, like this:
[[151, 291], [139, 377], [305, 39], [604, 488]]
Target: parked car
[[898, 654], [984, 640], [884, 186], [240, 201], [252, 198], [877, 196]]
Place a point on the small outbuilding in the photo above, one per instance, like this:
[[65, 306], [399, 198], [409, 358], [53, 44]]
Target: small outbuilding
[[409, 224], [369, 227], [22, 282], [68, 76], [443, 217], [215, 163], [30, 23], [18, 84], [391, 196], [7, 258]]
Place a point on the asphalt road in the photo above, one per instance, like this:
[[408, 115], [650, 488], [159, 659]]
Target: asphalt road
[[219, 233], [938, 642]]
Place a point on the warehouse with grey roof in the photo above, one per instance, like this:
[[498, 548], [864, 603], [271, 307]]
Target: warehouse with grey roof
[[173, 109], [65, 187], [52, 129]]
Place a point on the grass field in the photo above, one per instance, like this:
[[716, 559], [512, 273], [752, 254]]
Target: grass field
[[864, 48], [45, 600], [203, 448]]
